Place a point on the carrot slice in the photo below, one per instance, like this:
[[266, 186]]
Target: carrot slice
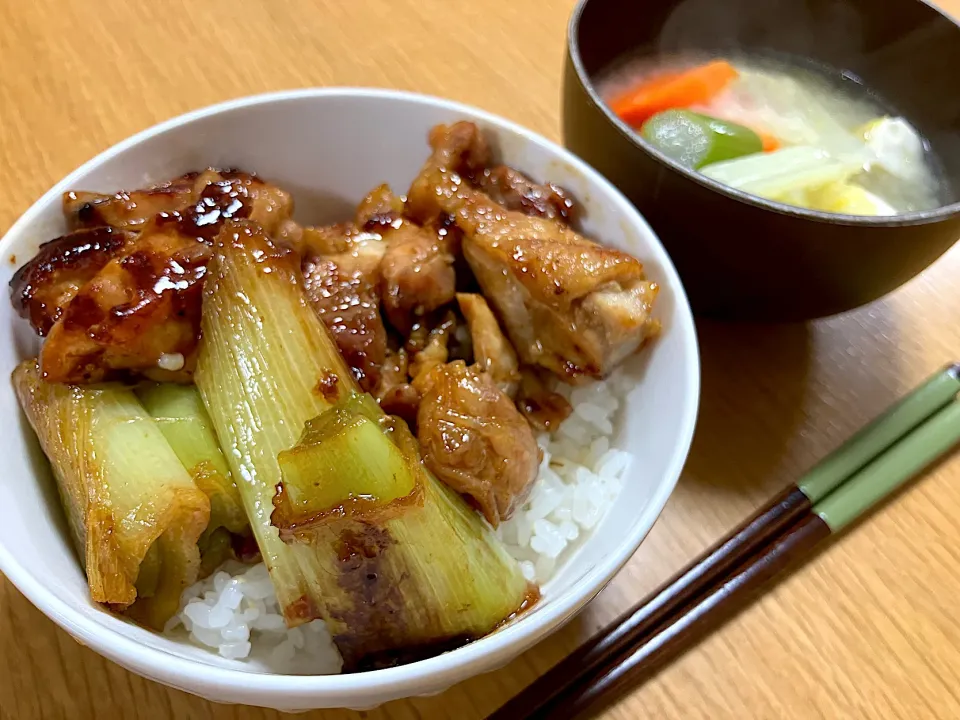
[[770, 143], [674, 90]]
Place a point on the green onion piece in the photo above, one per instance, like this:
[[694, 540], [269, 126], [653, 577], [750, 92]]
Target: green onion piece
[[695, 140], [343, 457], [179, 412], [135, 512], [215, 549], [261, 377], [391, 578]]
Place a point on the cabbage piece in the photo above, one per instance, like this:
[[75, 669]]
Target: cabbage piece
[[780, 173], [896, 146], [797, 113], [839, 197]]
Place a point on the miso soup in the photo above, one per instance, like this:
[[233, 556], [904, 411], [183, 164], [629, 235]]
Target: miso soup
[[780, 130]]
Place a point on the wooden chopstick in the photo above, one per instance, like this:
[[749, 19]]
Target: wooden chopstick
[[688, 627], [921, 448], [748, 543]]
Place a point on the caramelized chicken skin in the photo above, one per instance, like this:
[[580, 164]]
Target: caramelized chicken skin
[[128, 210], [42, 288], [139, 315], [133, 307], [344, 289], [208, 197], [567, 304], [515, 191], [474, 440]]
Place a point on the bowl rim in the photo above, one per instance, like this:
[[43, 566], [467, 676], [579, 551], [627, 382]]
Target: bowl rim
[[476, 657], [916, 217]]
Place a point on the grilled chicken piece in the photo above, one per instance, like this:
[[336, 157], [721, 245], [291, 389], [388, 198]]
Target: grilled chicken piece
[[41, 289], [139, 315], [208, 197], [320, 240], [345, 291], [567, 304], [473, 439], [395, 393], [415, 275], [128, 210], [492, 352], [543, 408], [342, 270], [515, 191], [380, 210], [417, 268], [459, 151], [418, 275], [429, 349]]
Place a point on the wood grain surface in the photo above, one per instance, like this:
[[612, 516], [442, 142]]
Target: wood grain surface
[[868, 629]]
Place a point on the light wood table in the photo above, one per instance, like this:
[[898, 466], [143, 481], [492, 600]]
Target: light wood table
[[869, 629]]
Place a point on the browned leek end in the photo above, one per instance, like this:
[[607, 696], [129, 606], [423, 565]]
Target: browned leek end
[[406, 569], [134, 511]]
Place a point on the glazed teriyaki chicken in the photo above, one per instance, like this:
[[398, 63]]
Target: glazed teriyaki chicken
[[456, 309]]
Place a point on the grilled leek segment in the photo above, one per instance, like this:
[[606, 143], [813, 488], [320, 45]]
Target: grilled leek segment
[[363, 536], [184, 422], [134, 511]]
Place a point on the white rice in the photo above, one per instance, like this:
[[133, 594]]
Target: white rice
[[580, 479], [235, 612]]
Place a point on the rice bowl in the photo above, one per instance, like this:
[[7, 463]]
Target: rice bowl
[[656, 423]]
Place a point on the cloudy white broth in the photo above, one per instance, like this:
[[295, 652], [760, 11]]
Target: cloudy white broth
[[777, 129]]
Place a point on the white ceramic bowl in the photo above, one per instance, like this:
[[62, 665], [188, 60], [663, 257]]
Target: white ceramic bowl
[[329, 147]]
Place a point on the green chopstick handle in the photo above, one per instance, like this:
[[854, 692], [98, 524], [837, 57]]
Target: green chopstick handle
[[882, 433], [933, 439]]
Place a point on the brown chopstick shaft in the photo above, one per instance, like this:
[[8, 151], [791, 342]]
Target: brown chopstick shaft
[[643, 619], [586, 699]]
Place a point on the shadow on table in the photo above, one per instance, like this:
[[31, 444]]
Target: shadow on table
[[753, 384], [774, 396]]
